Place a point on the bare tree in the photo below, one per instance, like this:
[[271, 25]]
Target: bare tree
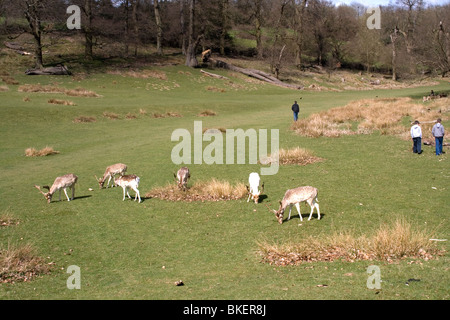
[[159, 29], [191, 60], [33, 12]]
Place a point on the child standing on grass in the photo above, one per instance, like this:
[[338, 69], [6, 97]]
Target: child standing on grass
[[438, 134], [416, 135]]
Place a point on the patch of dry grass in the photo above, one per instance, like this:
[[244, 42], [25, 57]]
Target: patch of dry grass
[[84, 119], [32, 152], [391, 242], [19, 263], [213, 190], [299, 156], [61, 102], [383, 115], [168, 114], [7, 219], [207, 113], [38, 88], [110, 115]]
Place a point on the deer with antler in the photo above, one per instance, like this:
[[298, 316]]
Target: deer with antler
[[182, 177], [253, 189], [130, 181], [63, 182], [110, 173], [295, 197]]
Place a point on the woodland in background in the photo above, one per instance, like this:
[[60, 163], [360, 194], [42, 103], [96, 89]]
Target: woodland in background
[[413, 40]]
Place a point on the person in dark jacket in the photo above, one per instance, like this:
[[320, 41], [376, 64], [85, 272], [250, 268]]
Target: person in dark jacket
[[296, 109]]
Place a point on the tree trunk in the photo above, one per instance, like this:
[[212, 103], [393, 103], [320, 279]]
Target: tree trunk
[[183, 27], [299, 11], [88, 30], [223, 27], [258, 33], [158, 27], [191, 60], [32, 14]]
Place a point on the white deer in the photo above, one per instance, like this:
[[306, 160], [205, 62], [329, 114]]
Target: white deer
[[182, 177], [63, 182], [295, 197], [130, 181], [111, 172], [253, 189]]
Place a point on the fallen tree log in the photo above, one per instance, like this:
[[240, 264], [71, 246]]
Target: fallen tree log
[[56, 71], [257, 74], [218, 76], [17, 48]]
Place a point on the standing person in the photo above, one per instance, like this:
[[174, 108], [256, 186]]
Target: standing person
[[438, 134], [296, 109], [416, 135]]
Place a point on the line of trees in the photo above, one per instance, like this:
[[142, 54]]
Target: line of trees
[[413, 38]]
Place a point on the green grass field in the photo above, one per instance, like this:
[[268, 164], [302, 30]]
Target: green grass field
[[127, 250]]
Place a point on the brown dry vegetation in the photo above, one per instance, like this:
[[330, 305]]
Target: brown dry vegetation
[[398, 240], [38, 88], [168, 114], [213, 190], [383, 115], [19, 263], [207, 113], [84, 119], [61, 102], [32, 152], [7, 219], [299, 156]]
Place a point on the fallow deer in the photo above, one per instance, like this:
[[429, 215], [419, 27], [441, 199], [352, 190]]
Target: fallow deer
[[130, 181], [63, 182], [110, 173], [182, 177], [253, 189], [295, 197]]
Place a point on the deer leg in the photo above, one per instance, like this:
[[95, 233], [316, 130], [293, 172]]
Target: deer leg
[[109, 180], [60, 194], [65, 192], [297, 205], [137, 195], [318, 211], [290, 208], [123, 193], [128, 193], [73, 192]]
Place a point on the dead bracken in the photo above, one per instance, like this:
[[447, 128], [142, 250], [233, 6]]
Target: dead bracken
[[389, 243], [213, 190]]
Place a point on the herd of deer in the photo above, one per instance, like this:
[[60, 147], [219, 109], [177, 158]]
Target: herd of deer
[[292, 197]]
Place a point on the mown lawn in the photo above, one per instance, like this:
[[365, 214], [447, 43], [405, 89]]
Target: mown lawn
[[127, 250]]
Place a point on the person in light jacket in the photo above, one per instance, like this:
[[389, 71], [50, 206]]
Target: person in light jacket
[[416, 135], [438, 133]]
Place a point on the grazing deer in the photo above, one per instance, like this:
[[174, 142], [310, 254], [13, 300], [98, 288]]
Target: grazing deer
[[295, 197], [182, 178], [130, 181], [111, 172], [63, 182], [253, 190]]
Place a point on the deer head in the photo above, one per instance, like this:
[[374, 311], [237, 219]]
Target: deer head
[[278, 214], [100, 181], [47, 195]]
